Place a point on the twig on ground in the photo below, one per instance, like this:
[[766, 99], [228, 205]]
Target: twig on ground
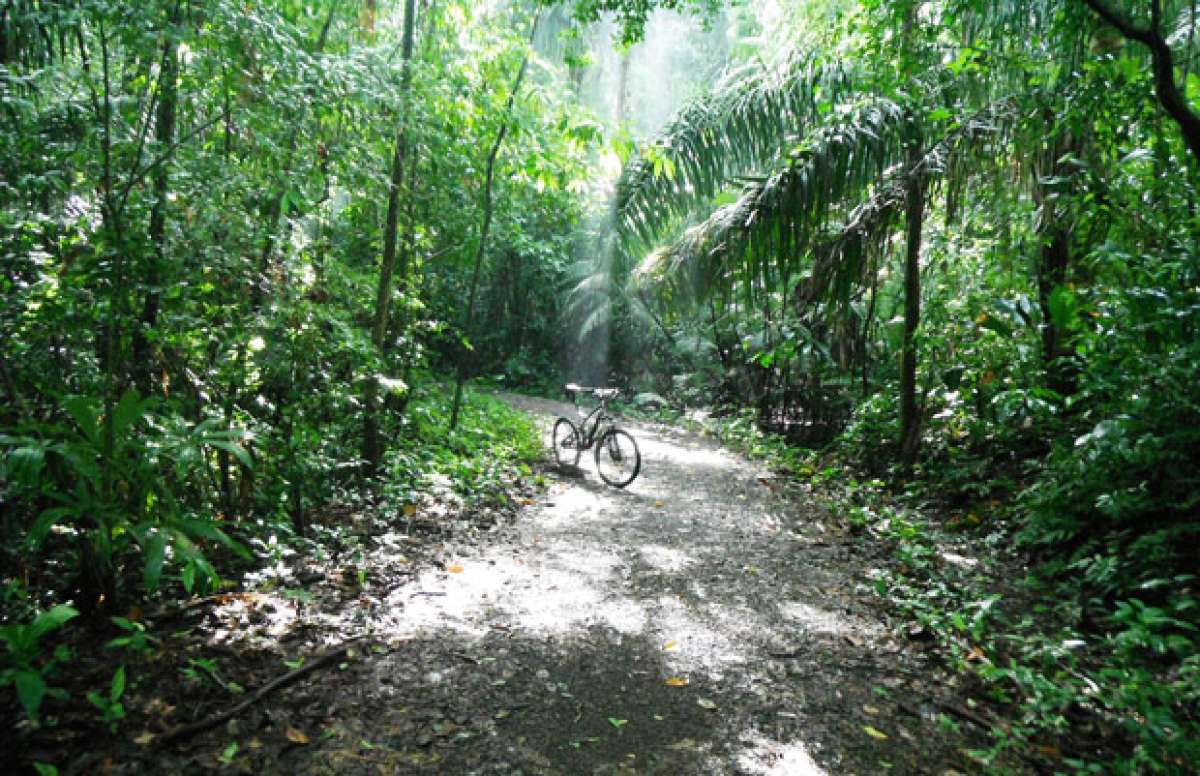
[[324, 659]]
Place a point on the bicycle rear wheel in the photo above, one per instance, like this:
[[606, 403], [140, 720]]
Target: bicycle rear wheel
[[566, 443], [618, 460]]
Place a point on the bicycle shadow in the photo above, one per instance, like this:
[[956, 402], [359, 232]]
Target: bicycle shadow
[[589, 481]]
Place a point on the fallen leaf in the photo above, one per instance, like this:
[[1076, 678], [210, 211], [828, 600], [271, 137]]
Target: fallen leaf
[[705, 703], [145, 739], [528, 502], [658, 503], [296, 736], [870, 709], [874, 733], [670, 645], [455, 568], [410, 510], [677, 681]]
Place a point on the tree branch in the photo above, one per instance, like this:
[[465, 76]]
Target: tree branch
[[1163, 64], [320, 661], [1122, 25]]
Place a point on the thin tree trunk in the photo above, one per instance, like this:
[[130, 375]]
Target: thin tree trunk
[[1054, 261], [623, 87], [164, 135], [866, 337], [372, 445], [910, 431], [487, 223], [397, 405]]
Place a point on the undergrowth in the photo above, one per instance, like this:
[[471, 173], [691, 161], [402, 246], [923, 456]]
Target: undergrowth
[[474, 467]]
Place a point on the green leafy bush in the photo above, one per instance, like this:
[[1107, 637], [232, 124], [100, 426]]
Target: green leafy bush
[[116, 485], [24, 666]]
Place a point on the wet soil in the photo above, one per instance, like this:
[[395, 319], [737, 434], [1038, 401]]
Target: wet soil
[[695, 622]]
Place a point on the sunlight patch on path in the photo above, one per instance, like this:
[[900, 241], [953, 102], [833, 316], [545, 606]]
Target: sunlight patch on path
[[818, 620], [772, 758]]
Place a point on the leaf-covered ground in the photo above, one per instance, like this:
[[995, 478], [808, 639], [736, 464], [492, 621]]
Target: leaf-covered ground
[[696, 622]]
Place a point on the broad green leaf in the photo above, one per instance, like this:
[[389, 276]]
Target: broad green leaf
[[127, 412], [156, 553], [118, 685], [207, 529], [234, 449], [31, 690], [47, 520], [82, 411], [1063, 307], [188, 576], [52, 619]]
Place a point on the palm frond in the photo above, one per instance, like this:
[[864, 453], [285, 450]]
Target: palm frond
[[739, 127], [761, 237], [785, 217]]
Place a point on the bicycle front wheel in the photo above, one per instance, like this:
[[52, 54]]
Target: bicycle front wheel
[[566, 441], [617, 458]]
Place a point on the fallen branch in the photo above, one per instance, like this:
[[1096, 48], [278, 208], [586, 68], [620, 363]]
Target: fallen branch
[[324, 659]]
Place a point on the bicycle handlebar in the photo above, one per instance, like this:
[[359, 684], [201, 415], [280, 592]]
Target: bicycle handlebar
[[599, 393]]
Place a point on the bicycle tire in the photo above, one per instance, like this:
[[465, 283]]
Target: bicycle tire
[[618, 459], [566, 443]]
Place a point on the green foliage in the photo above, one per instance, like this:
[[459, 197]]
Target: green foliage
[[136, 639], [112, 711], [475, 460], [116, 480], [24, 666]]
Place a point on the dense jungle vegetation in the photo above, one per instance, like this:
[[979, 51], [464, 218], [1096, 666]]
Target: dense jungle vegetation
[[261, 259]]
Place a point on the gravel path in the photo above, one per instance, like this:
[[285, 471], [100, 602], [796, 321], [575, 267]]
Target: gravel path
[[696, 622], [693, 623]]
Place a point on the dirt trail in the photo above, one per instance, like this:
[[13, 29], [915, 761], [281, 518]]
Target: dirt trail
[[551, 649], [693, 623]]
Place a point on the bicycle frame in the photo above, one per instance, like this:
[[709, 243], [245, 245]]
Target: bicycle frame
[[618, 460], [596, 418]]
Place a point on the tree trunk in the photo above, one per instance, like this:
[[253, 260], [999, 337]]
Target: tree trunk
[[623, 88], [372, 446], [910, 422], [1054, 258], [164, 136], [489, 175]]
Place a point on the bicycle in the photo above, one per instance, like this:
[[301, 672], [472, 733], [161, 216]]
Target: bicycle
[[618, 460]]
